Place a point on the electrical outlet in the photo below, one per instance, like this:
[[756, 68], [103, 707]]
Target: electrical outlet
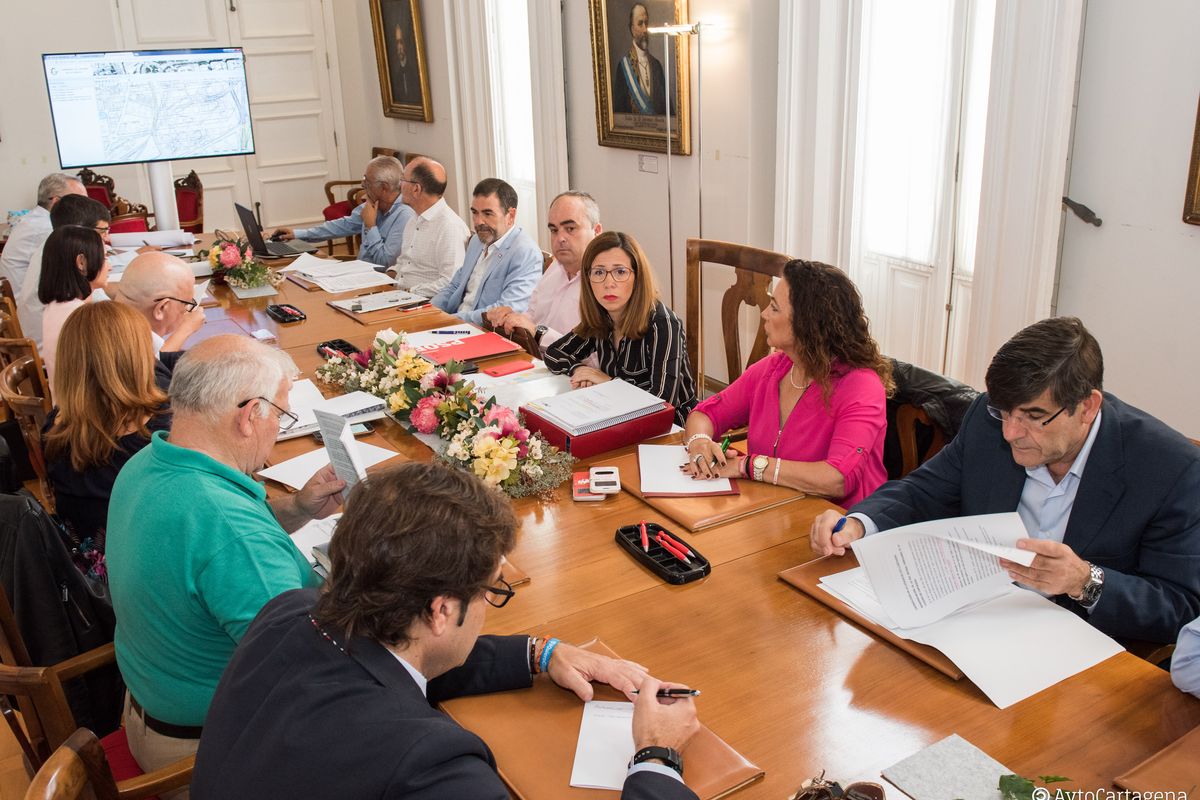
[[648, 164], [412, 127]]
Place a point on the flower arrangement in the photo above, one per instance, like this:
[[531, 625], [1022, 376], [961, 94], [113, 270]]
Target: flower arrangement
[[488, 439], [232, 260]]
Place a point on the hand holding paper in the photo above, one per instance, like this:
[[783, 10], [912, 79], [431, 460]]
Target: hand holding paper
[[1054, 569], [343, 453]]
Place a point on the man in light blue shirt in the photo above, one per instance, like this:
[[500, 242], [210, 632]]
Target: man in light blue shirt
[[380, 219], [1185, 663]]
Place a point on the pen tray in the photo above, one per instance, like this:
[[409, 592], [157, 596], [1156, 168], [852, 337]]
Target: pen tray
[[659, 560]]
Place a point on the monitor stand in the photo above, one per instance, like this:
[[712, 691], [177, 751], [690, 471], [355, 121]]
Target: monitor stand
[[162, 196]]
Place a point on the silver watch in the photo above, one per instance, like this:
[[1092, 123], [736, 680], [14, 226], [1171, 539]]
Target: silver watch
[[1090, 593]]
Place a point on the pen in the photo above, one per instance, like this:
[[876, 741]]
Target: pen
[[452, 333], [675, 692], [670, 548], [725, 445], [676, 543], [841, 523], [645, 541]]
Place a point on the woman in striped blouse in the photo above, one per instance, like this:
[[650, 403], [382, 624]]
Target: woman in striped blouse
[[634, 336]]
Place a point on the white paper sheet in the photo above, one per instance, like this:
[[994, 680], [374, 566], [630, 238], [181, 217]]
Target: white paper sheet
[[426, 338], [315, 532], [342, 449], [659, 465], [518, 388], [597, 407], [925, 571], [295, 472], [314, 268], [119, 260], [136, 239], [605, 745], [199, 290], [354, 281]]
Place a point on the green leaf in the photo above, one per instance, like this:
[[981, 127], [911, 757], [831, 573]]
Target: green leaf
[[1053, 779], [1014, 787]]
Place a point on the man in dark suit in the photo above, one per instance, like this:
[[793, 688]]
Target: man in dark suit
[[1109, 494], [406, 77], [331, 695]]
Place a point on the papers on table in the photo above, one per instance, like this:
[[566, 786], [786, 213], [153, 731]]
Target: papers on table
[[295, 472], [661, 477], [521, 388], [338, 276], [424, 340], [169, 239], [304, 397], [316, 532], [595, 408], [605, 745], [367, 303]]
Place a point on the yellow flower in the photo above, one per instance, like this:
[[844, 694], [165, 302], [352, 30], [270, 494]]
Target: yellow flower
[[398, 402]]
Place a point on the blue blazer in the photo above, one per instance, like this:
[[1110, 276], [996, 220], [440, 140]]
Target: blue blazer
[[510, 282], [1136, 514]]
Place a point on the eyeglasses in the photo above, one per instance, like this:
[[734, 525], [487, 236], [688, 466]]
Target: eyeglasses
[[600, 274], [287, 419], [189, 303], [101, 229], [505, 594], [1021, 418]]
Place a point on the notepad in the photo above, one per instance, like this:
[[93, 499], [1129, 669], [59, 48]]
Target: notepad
[[661, 477], [313, 534], [605, 745], [595, 408], [379, 301]]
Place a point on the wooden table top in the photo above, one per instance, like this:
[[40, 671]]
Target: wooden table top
[[788, 682]]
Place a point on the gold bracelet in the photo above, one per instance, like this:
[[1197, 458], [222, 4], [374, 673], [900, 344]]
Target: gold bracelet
[[775, 477]]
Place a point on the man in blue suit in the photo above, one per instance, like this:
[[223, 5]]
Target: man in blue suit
[[1109, 494], [502, 264]]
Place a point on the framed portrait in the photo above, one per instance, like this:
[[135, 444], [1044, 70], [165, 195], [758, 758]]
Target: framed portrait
[[1191, 204], [400, 54], [632, 81]]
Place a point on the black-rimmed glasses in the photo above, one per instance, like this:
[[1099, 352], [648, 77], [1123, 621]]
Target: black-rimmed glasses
[[191, 304], [505, 594], [287, 419], [1021, 418]]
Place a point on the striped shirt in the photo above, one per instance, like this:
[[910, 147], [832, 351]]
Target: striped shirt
[[657, 362]]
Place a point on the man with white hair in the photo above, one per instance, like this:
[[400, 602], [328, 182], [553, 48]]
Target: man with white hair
[[194, 548], [379, 219], [32, 229], [159, 285]]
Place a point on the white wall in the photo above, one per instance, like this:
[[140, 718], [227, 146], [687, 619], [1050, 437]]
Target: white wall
[[1135, 280], [739, 52], [27, 150]]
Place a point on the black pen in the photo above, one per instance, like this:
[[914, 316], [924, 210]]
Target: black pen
[[676, 692]]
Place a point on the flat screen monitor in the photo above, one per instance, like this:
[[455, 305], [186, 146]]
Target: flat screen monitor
[[136, 106]]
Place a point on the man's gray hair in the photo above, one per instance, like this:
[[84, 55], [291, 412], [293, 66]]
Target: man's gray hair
[[387, 170], [590, 206], [54, 185], [212, 384]]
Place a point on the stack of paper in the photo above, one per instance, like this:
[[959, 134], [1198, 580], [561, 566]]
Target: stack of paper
[[365, 304], [304, 397], [595, 408], [168, 239], [940, 583], [520, 388], [661, 477], [337, 276]]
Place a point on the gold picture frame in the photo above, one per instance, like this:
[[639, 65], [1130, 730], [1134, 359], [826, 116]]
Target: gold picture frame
[[628, 114], [400, 55], [1191, 203]]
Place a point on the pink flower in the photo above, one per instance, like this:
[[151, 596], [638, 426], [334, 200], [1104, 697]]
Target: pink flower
[[363, 358], [504, 418], [424, 417], [248, 253], [230, 256]]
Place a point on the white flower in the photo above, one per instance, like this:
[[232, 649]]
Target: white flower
[[387, 336], [532, 470], [535, 449]]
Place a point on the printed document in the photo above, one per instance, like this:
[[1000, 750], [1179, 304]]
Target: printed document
[[520, 388], [342, 449], [295, 472], [605, 745], [597, 407]]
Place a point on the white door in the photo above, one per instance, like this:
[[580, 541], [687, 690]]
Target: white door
[[291, 99]]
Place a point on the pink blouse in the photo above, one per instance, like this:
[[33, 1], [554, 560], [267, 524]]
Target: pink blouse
[[847, 433]]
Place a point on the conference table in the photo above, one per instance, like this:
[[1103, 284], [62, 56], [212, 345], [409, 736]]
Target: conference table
[[789, 683]]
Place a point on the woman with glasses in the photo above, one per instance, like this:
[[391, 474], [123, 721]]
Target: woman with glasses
[[815, 407], [634, 336], [73, 266], [107, 406]]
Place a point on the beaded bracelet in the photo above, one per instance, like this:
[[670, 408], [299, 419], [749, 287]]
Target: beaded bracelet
[[533, 662], [547, 652], [694, 437]]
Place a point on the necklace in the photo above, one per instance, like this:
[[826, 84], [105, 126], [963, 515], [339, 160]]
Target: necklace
[[325, 635], [792, 380]]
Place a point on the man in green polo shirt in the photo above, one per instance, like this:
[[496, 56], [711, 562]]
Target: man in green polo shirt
[[194, 548]]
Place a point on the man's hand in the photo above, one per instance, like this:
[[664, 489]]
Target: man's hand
[[370, 212], [321, 496], [587, 376], [283, 235], [496, 316], [663, 721], [518, 320], [825, 542], [575, 668], [1055, 569], [189, 323], [148, 248]]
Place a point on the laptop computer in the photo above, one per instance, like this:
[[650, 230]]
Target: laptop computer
[[266, 248]]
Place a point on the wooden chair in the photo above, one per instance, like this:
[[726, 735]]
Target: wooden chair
[[907, 418], [10, 322], [519, 335], [336, 209], [754, 269], [24, 390], [6, 289], [547, 260], [80, 769], [98, 187], [376, 152], [189, 200], [129, 217]]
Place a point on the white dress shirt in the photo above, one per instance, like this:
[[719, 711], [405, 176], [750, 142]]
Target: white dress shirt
[[27, 235], [435, 244], [555, 303], [29, 308], [480, 271]]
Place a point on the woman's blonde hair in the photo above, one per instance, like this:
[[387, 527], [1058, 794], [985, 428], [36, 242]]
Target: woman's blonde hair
[[103, 383], [594, 321]]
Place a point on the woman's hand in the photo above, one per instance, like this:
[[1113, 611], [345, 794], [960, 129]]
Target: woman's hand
[[587, 376], [705, 459]]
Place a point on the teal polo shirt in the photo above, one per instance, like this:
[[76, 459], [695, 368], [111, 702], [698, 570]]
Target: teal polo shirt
[[194, 552]]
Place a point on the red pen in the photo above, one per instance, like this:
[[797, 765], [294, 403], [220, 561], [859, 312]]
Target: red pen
[[666, 545], [676, 543], [645, 539], [330, 352]]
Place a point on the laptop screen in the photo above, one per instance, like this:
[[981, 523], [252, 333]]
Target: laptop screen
[[251, 228]]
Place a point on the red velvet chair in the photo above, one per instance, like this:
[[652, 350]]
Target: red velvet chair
[[129, 217], [189, 199], [98, 187]]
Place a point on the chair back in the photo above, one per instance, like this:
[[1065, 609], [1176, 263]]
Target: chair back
[[189, 200], [24, 390], [78, 770], [98, 187], [754, 268], [376, 152], [6, 289], [519, 335], [10, 323], [135, 222], [547, 260]]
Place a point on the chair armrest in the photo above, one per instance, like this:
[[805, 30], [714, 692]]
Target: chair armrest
[[75, 666], [172, 776]]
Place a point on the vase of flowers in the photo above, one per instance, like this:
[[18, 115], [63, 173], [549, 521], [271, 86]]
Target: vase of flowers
[[233, 263]]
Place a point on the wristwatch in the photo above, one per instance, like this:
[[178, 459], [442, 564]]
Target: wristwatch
[[760, 466], [538, 333], [668, 755], [1090, 592]]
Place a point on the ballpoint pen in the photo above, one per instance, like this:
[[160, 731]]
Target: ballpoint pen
[[674, 692], [451, 333], [841, 523], [672, 549], [645, 539], [675, 542]]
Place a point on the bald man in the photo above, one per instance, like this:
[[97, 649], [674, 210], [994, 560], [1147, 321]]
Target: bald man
[[435, 239], [160, 286]]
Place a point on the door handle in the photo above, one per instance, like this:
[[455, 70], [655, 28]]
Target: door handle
[[232, 7], [1083, 212]]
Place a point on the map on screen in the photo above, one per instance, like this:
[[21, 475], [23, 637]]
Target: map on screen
[[139, 106]]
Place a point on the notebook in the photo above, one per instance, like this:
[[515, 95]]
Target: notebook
[[594, 408]]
